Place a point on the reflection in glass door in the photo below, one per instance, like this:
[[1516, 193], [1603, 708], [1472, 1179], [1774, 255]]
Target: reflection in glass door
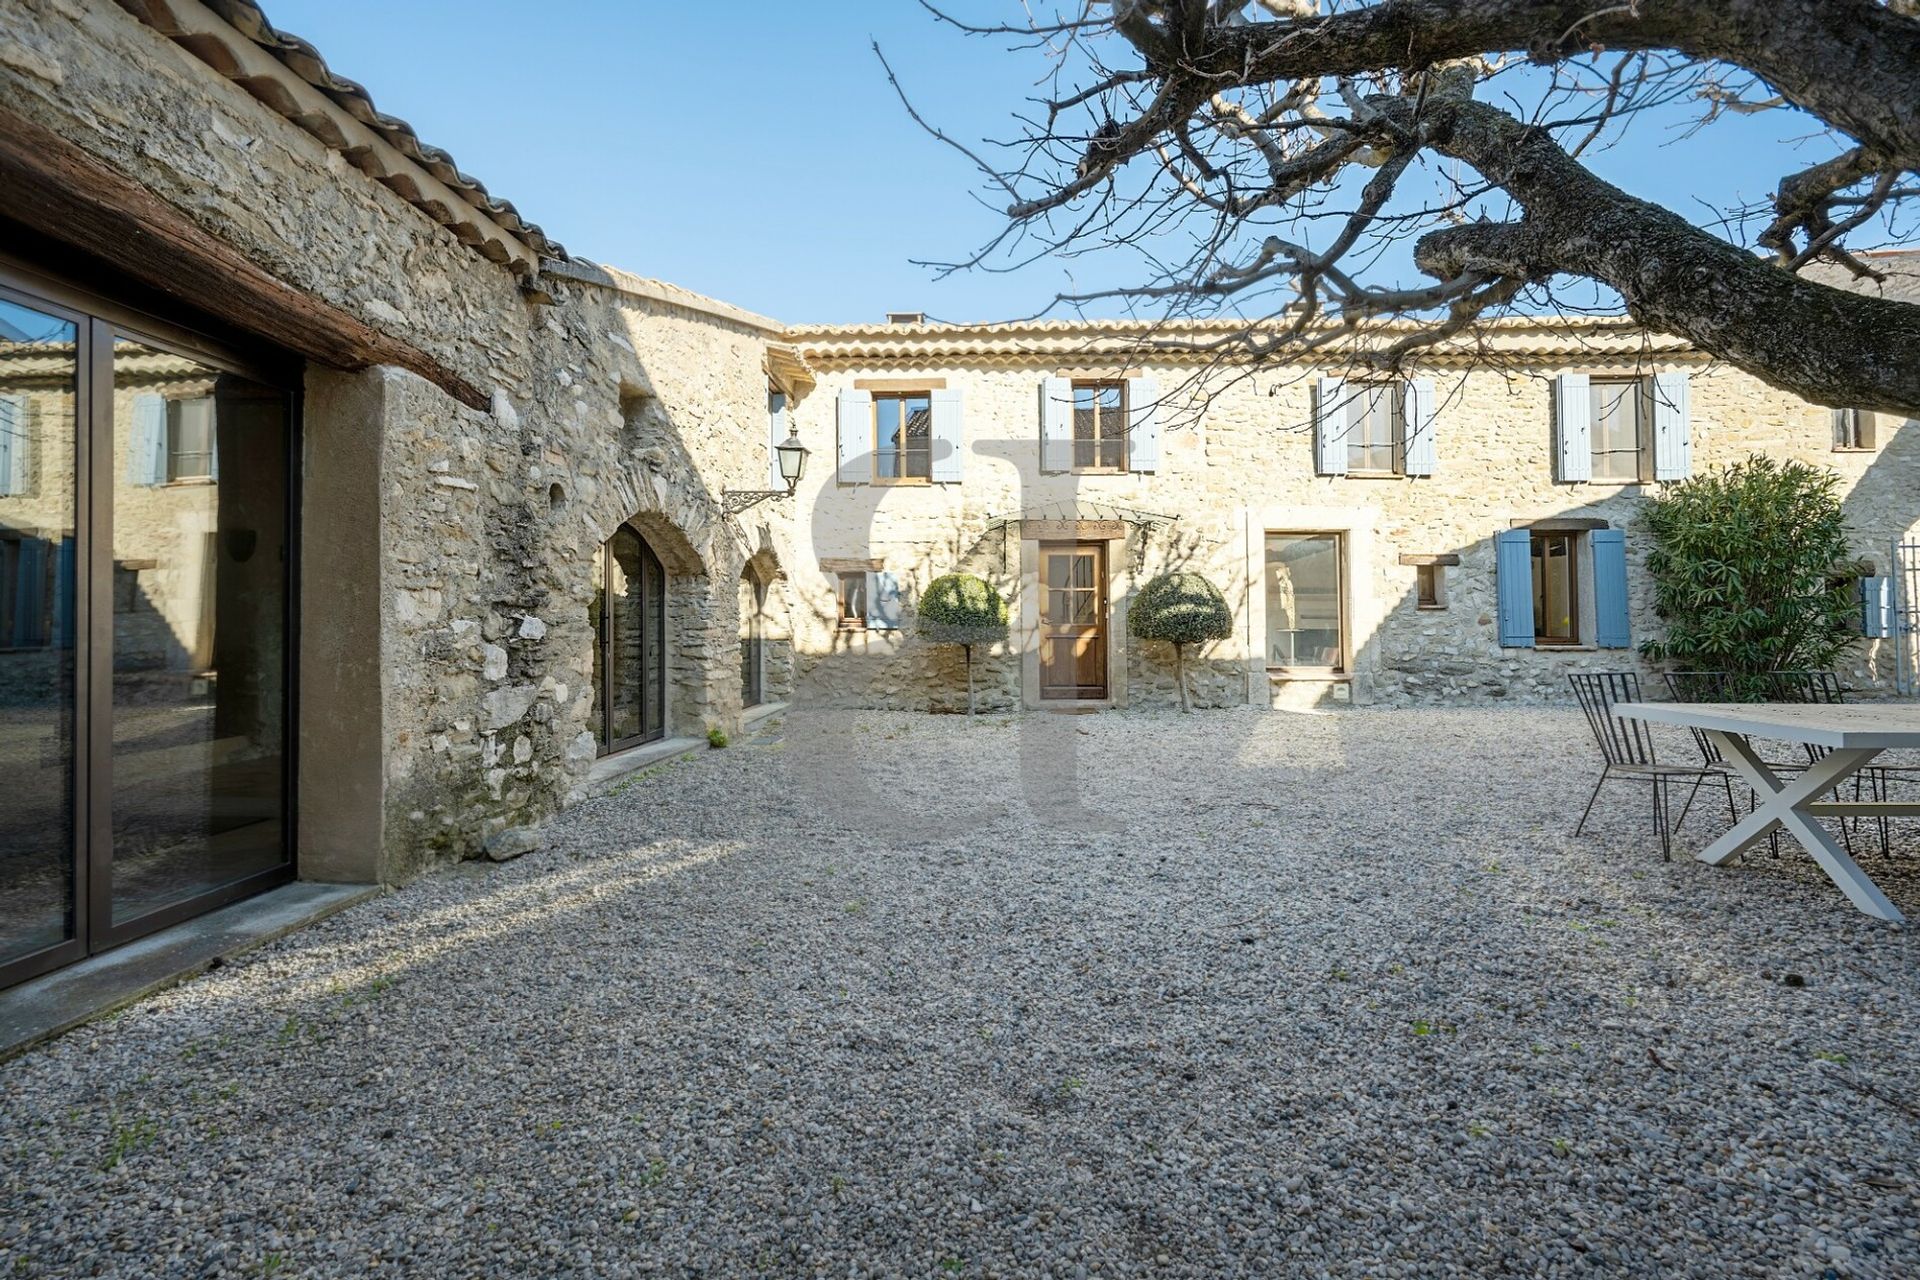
[[630, 623], [199, 628], [145, 655], [39, 387]]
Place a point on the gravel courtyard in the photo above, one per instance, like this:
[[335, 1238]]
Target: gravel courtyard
[[1116, 995]]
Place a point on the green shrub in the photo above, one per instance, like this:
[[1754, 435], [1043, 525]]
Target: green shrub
[[959, 608], [716, 737], [1180, 609], [1751, 570]]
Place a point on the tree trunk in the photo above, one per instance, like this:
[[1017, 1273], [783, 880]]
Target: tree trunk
[[968, 650], [1180, 675]]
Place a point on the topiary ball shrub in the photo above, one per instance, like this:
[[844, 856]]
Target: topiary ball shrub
[[959, 608], [1180, 609]]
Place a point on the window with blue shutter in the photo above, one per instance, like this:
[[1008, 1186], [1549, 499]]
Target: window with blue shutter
[[947, 433], [776, 432], [1330, 428], [883, 601], [854, 438], [1056, 424], [30, 594], [1611, 627], [1143, 428], [1876, 607], [147, 441], [1672, 426], [1513, 583], [15, 446], [1420, 451], [1573, 426], [63, 589]]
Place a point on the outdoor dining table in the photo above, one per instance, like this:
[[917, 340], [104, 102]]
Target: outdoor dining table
[[1852, 734]]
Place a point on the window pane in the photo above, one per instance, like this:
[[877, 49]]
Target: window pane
[[1109, 399], [886, 423], [1553, 587], [1616, 430], [1085, 416], [1303, 600], [1370, 427], [190, 436], [199, 661], [37, 558]]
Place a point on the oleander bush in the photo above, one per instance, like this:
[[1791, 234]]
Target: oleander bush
[[962, 609], [1751, 570], [1180, 609]]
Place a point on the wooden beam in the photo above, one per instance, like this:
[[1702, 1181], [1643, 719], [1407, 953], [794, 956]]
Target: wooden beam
[[1561, 524], [55, 188], [1448, 557]]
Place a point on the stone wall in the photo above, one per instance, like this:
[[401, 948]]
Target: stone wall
[[619, 400]]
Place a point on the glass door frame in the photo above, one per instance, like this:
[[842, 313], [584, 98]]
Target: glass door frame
[[99, 321]]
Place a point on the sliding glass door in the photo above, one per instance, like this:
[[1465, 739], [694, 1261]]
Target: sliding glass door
[[145, 696]]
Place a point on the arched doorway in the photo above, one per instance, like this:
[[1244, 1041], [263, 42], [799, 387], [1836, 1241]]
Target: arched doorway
[[753, 638], [630, 642]]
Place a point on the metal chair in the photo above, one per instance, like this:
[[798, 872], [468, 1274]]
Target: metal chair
[[1627, 749], [1770, 686]]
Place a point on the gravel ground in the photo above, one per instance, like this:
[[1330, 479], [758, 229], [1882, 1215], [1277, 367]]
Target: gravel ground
[[878, 994]]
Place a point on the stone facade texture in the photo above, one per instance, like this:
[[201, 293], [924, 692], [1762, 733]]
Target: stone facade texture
[[448, 551]]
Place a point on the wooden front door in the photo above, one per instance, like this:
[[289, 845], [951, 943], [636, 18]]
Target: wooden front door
[[1073, 620]]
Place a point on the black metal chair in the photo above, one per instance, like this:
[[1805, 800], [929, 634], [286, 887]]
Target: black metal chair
[[1627, 749]]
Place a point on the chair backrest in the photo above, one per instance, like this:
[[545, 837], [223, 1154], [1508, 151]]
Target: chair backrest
[[1621, 741], [1700, 686]]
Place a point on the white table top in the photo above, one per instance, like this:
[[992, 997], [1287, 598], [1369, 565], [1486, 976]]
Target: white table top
[[1842, 725]]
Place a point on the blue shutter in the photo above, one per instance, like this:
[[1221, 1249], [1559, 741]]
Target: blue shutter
[[1513, 582], [1876, 607], [147, 443], [63, 589], [947, 435], [29, 593], [854, 438], [1672, 426], [1330, 428], [883, 601], [14, 445], [776, 432], [1573, 426], [1418, 402], [1143, 426], [1056, 424], [1611, 629]]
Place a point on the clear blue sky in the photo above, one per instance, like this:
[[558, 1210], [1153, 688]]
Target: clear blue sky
[[754, 151]]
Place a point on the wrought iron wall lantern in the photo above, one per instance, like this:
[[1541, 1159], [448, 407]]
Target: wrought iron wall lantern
[[791, 456]]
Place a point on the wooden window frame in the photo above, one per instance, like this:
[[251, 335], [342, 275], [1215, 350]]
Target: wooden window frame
[[1638, 389], [1854, 430], [1359, 397], [900, 396], [1430, 587], [856, 581], [1100, 437], [1575, 544]]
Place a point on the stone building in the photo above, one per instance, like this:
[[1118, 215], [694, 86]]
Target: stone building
[[1357, 527], [349, 524]]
